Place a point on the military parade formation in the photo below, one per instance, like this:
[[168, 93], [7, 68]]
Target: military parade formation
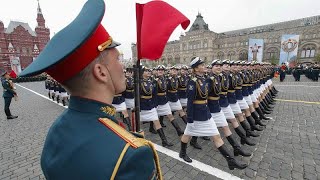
[[205, 98]]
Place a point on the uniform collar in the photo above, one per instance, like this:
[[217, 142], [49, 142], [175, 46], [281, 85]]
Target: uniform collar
[[94, 107]]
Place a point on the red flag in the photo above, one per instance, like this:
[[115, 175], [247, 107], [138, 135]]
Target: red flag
[[13, 74], [156, 20]]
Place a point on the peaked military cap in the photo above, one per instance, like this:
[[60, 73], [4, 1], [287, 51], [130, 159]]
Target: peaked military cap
[[161, 67], [216, 62], [195, 62], [174, 67], [185, 67], [226, 61], [75, 46]]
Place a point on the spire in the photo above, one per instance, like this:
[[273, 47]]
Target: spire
[[39, 8], [40, 19]]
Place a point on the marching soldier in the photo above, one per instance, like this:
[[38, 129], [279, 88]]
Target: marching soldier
[[86, 141], [163, 107], [182, 86], [121, 108], [200, 122], [173, 97], [148, 111]]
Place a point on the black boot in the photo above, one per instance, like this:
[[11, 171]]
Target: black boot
[[195, 143], [183, 152], [161, 121], [205, 138], [58, 99], [262, 116], [163, 137], [184, 118], [263, 109], [265, 106], [151, 128], [253, 125], [243, 137], [237, 150], [232, 162], [127, 121], [49, 95], [257, 119], [177, 127], [247, 128], [63, 102], [12, 117]]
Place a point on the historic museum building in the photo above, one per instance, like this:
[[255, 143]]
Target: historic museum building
[[19, 44], [199, 40]]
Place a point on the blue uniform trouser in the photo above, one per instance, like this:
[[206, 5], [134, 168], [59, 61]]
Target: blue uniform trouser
[[7, 102]]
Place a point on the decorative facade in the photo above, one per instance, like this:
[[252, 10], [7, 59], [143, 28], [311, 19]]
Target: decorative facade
[[200, 41], [20, 45]]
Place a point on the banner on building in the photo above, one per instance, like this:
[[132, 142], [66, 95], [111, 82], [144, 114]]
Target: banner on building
[[255, 52], [289, 48]]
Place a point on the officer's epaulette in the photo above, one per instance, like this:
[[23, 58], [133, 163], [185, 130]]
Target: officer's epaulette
[[194, 79], [123, 134]]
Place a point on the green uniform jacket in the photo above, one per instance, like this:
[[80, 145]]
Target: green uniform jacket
[[7, 90]]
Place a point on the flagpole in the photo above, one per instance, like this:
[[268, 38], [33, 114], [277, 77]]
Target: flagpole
[[137, 72]]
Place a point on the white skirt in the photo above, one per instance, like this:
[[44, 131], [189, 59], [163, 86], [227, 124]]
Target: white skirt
[[248, 100], [51, 91], [227, 111], [120, 107], [253, 97], [236, 108], [269, 82], [202, 128], [243, 104], [129, 103], [64, 94], [219, 119], [184, 102], [148, 115], [164, 110], [175, 106]]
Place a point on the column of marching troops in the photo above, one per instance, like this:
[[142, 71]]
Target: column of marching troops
[[237, 92]]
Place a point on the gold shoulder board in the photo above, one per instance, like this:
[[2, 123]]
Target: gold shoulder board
[[124, 134]]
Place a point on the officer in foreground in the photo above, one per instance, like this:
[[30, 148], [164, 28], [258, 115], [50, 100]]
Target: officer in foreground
[[86, 142]]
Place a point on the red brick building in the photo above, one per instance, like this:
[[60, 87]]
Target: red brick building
[[19, 44]]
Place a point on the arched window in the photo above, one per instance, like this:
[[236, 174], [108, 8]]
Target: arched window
[[243, 55], [308, 52], [220, 55], [230, 55], [272, 52]]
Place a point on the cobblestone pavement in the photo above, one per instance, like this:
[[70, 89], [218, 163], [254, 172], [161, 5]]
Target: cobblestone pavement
[[288, 148]]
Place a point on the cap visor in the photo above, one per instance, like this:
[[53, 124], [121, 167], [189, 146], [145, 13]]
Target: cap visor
[[113, 45]]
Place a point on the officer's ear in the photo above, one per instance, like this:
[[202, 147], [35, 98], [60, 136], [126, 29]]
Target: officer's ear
[[100, 72]]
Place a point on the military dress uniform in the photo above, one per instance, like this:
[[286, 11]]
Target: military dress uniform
[[200, 121], [182, 89], [86, 141], [129, 93], [8, 94], [172, 90], [224, 100]]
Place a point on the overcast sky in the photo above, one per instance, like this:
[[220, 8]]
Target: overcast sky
[[119, 19]]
